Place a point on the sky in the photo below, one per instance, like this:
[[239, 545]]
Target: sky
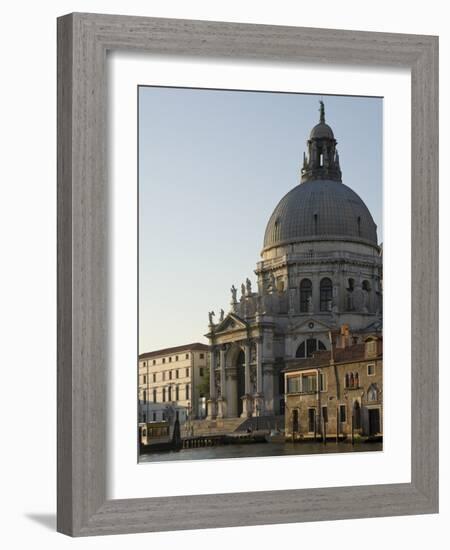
[[213, 165]]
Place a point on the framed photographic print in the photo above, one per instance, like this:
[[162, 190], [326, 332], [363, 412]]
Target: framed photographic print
[[247, 274]]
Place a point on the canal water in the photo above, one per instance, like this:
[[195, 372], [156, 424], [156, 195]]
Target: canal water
[[260, 449]]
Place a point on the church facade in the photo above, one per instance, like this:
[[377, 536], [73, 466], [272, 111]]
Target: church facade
[[320, 268]]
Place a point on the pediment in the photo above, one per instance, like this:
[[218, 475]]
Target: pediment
[[311, 325], [230, 323]]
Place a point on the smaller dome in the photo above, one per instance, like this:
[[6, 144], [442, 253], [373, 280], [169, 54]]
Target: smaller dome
[[321, 130]]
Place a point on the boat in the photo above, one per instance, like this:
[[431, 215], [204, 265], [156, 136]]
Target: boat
[[159, 436]]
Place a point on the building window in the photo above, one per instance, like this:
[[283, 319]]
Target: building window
[[164, 375], [187, 355], [164, 360], [352, 380], [305, 295], [154, 377], [169, 393], [154, 395], [177, 373], [154, 361], [144, 396], [170, 375], [177, 393], [325, 414], [308, 347], [366, 286], [342, 413], [309, 383], [170, 359], [371, 369], [164, 395], [371, 347], [293, 384], [326, 294], [187, 372], [200, 371], [144, 379], [176, 357], [322, 381], [154, 417], [202, 356], [187, 391], [372, 393], [145, 364]]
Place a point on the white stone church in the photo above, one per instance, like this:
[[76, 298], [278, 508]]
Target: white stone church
[[321, 268]]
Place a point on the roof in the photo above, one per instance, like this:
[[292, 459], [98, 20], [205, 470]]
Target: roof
[[321, 130], [357, 352], [317, 210], [196, 346]]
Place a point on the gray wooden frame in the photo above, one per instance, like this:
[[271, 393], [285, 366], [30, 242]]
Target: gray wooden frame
[[83, 40]]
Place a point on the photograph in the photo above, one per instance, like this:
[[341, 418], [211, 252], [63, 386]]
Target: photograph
[[260, 305]]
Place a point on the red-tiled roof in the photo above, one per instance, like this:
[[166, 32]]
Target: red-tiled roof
[[356, 352], [196, 346]]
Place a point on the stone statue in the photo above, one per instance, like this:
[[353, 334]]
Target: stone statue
[[310, 304], [273, 283], [248, 285], [242, 290], [233, 294], [222, 315], [305, 162], [211, 314]]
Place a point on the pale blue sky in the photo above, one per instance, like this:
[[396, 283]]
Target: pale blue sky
[[213, 164]]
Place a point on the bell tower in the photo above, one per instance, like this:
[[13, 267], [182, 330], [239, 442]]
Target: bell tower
[[322, 160]]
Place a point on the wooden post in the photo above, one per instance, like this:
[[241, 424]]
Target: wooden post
[[337, 423]]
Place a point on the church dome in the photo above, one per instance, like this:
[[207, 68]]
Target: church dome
[[320, 210], [320, 131], [321, 207]]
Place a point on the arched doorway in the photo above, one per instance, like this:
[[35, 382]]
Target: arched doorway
[[240, 374]]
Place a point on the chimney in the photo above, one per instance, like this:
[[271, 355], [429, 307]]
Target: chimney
[[344, 337]]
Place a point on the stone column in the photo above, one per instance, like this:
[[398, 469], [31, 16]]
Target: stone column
[[259, 397], [246, 404], [221, 402], [212, 385], [268, 389]]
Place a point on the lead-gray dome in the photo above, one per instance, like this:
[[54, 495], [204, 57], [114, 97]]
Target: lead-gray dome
[[321, 130], [320, 209]]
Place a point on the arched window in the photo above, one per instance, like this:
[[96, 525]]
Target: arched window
[[352, 380], [169, 392], [372, 393], [308, 347], [356, 380], [164, 395], [301, 351], [366, 286], [326, 294], [154, 395], [305, 295], [351, 285]]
